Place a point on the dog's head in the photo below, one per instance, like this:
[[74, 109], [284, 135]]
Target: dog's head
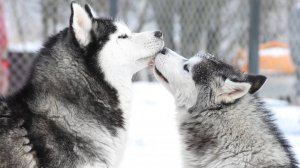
[[203, 78], [110, 44]]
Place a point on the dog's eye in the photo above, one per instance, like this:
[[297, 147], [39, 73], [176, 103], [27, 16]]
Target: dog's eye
[[186, 68], [123, 36]]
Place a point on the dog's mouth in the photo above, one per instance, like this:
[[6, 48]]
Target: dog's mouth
[[160, 75], [151, 63], [150, 58]]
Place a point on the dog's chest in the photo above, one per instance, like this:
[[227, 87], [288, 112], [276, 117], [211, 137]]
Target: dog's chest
[[105, 147], [94, 144], [109, 147]]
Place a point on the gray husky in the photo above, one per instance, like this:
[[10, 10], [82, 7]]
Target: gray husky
[[72, 112], [221, 122]]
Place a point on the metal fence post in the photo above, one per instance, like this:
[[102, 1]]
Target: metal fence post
[[113, 8], [254, 36]]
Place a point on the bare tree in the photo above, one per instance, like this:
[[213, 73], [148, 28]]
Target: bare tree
[[17, 18], [273, 11], [294, 41]]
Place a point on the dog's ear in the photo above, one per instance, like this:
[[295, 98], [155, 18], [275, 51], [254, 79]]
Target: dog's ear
[[81, 24], [90, 11], [256, 82], [230, 91]]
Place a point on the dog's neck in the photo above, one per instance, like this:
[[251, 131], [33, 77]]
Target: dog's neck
[[122, 81], [238, 107]]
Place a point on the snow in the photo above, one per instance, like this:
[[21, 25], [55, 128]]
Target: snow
[[288, 120], [153, 138]]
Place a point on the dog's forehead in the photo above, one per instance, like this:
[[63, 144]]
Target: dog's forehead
[[195, 60], [209, 61], [199, 58], [206, 67], [104, 21], [122, 27], [205, 55]]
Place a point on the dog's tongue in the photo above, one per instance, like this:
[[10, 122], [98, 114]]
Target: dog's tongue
[[151, 63]]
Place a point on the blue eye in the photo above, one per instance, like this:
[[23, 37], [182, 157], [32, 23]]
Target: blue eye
[[123, 36], [185, 67]]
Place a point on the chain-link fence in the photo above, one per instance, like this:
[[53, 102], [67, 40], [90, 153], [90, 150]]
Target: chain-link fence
[[28, 24], [220, 27]]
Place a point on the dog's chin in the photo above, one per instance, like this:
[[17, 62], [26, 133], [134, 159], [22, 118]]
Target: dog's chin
[[145, 59], [145, 62], [148, 61]]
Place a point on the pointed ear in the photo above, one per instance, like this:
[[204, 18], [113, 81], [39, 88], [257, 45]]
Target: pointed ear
[[256, 82], [81, 24], [90, 11], [231, 91]]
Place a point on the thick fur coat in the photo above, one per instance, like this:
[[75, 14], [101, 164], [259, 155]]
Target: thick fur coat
[[72, 112], [221, 122]]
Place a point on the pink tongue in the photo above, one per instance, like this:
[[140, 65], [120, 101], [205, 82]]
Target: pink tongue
[[151, 63]]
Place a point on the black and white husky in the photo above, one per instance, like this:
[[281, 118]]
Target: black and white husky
[[221, 122], [72, 111]]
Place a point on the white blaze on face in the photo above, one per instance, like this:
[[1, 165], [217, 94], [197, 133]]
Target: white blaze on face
[[122, 55], [180, 82], [126, 52], [136, 49]]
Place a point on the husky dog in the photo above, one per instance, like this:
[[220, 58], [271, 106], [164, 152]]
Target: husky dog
[[72, 111], [221, 122]]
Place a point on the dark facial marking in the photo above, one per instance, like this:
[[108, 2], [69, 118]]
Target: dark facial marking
[[208, 69]]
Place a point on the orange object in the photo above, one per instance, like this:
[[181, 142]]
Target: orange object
[[271, 44], [274, 56]]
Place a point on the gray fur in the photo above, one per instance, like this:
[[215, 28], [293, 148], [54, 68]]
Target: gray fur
[[72, 111], [222, 132]]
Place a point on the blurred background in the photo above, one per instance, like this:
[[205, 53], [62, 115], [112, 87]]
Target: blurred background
[[257, 36]]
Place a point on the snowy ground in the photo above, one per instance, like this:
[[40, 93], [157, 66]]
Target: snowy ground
[[153, 138]]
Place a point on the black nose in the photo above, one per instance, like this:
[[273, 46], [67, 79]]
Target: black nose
[[158, 34], [163, 51]]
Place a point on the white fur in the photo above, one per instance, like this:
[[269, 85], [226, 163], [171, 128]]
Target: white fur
[[82, 24], [180, 84], [231, 91], [120, 59]]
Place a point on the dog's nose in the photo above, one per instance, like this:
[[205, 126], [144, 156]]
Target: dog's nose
[[158, 34], [163, 51]]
